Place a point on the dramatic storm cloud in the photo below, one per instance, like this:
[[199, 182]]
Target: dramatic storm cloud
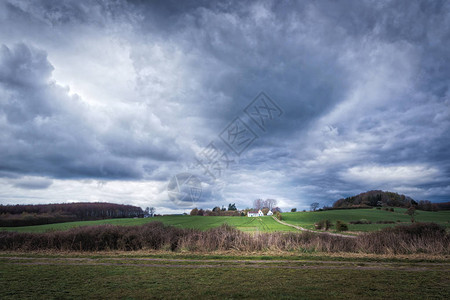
[[108, 100]]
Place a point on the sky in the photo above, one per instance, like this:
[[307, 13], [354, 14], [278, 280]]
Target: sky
[[298, 101]]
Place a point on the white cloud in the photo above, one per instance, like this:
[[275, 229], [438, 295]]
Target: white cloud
[[391, 175]]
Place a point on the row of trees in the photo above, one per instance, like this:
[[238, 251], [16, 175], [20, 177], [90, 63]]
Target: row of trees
[[82, 210], [421, 205], [428, 205], [314, 206], [25, 215], [270, 205], [216, 211], [259, 204]]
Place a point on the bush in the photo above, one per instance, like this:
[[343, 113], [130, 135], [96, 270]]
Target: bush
[[278, 215], [362, 221], [341, 226], [416, 238], [323, 224], [385, 222], [293, 210], [407, 239]]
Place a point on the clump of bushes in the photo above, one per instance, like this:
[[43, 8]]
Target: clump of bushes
[[407, 239], [388, 209], [341, 226], [323, 225], [404, 239], [362, 221], [278, 216], [153, 235], [385, 222]]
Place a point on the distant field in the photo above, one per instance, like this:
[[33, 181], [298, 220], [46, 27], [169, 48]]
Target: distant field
[[264, 224], [307, 219]]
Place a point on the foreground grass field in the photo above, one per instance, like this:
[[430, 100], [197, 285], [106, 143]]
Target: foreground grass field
[[265, 224], [218, 277]]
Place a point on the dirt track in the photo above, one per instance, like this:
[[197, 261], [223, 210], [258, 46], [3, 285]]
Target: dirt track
[[221, 263], [304, 229]]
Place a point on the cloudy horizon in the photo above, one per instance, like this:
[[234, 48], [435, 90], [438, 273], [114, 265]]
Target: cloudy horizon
[[108, 100]]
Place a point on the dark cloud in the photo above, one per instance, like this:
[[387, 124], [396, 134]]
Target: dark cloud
[[32, 183], [131, 90], [48, 132]]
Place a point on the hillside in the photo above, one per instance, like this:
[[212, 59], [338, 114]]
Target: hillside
[[375, 198], [378, 219], [263, 224], [375, 219]]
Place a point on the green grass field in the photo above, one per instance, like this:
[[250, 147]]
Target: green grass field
[[265, 224], [119, 277], [307, 219], [228, 275]]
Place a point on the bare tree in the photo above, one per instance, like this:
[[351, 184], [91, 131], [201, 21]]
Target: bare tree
[[270, 203], [152, 211], [411, 212], [258, 204], [314, 206]]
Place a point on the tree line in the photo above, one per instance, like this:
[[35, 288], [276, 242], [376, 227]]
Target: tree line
[[36, 214], [258, 204], [379, 198]]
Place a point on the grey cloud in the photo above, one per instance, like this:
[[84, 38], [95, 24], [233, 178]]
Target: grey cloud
[[48, 132], [32, 183], [23, 66], [361, 84]]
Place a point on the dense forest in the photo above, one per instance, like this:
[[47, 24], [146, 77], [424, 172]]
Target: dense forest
[[26, 215], [374, 198], [381, 198]]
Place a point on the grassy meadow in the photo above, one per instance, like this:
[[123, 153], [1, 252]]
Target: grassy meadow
[[222, 262], [246, 224], [264, 224], [149, 276], [307, 219]]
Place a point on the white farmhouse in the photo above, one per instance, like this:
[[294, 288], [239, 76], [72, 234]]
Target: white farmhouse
[[255, 213], [270, 213]]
